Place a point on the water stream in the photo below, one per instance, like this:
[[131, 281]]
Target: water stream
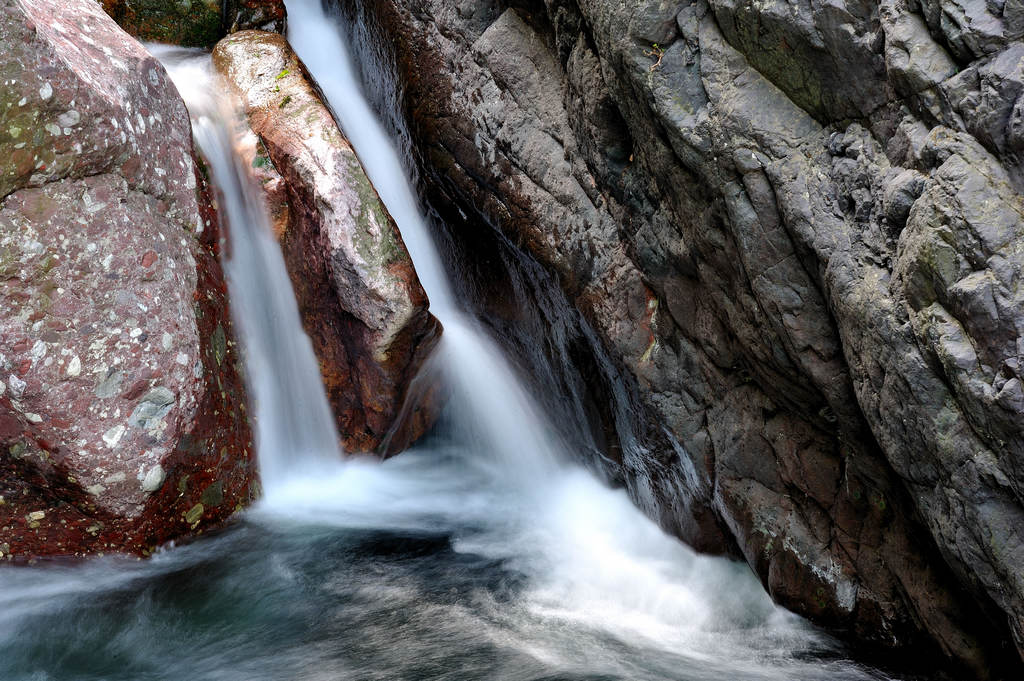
[[294, 425], [479, 555]]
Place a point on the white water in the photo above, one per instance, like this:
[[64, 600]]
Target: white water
[[294, 428], [486, 392]]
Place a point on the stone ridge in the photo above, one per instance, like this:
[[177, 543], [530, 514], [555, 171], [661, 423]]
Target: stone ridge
[[796, 227], [122, 413], [358, 292]]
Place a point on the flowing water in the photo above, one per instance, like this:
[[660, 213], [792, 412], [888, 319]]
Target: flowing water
[[293, 417], [479, 555]]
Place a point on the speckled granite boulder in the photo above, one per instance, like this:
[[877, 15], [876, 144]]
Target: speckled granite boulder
[[122, 417], [194, 23], [360, 298], [796, 228]]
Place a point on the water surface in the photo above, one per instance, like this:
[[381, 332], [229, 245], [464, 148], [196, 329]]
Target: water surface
[[425, 567]]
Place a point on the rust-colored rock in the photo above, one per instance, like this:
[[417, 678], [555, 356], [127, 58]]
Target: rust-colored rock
[[199, 23], [122, 415], [359, 295]]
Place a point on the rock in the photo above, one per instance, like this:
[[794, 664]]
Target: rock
[[358, 293], [241, 15], [899, 196], [194, 23], [915, 62], [117, 415], [794, 228]]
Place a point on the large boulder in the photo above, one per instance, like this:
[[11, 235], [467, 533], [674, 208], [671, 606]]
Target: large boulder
[[194, 23], [122, 413], [359, 296], [796, 230]]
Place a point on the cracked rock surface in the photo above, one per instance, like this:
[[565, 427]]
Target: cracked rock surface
[[797, 228]]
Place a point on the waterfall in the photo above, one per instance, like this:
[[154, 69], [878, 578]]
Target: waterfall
[[494, 475], [294, 427], [496, 414], [592, 556]]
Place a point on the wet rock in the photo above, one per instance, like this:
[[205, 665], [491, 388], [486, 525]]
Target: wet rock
[[116, 414], [269, 15], [796, 229], [358, 293], [194, 23]]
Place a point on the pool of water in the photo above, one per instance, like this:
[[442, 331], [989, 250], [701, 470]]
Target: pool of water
[[424, 567]]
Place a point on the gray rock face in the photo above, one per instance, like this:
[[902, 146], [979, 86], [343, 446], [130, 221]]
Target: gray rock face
[[797, 228]]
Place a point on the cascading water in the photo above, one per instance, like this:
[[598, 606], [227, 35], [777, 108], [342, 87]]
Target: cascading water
[[478, 555], [486, 392], [295, 430]]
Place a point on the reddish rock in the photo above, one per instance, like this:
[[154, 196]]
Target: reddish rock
[[359, 295], [122, 415]]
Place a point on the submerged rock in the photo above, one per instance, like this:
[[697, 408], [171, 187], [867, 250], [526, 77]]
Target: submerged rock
[[360, 299], [797, 229], [194, 23], [121, 403]]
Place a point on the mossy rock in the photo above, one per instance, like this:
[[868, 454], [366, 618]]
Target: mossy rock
[[193, 23], [190, 23]]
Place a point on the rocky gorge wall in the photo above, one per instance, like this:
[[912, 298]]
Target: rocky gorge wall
[[796, 230]]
